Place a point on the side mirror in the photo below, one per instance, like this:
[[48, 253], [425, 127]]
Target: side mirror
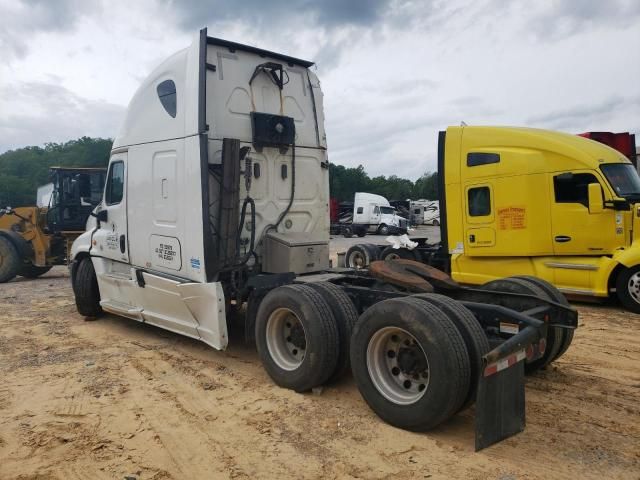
[[596, 204], [102, 215]]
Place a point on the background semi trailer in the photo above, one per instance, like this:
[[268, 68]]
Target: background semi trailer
[[33, 239], [216, 200], [520, 201]]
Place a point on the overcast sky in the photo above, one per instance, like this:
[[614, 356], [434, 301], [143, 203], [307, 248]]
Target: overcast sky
[[393, 72]]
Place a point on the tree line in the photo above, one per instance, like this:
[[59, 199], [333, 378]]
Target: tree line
[[23, 170], [345, 181]]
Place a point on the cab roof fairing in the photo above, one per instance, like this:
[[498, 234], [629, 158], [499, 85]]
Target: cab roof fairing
[[146, 120], [590, 153]]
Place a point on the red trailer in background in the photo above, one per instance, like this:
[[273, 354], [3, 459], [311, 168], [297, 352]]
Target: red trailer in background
[[623, 142], [333, 210]]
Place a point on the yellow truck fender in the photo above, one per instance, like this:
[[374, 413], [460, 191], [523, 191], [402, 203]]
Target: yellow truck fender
[[629, 257]]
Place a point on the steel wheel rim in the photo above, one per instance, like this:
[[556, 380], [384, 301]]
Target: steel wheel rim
[[286, 339], [389, 372], [633, 287], [357, 260], [392, 256]]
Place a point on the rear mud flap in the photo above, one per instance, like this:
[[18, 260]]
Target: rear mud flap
[[500, 404]]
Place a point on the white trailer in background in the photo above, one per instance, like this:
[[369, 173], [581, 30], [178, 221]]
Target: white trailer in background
[[432, 213]]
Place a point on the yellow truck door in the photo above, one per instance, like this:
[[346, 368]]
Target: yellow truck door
[[479, 229], [574, 230]]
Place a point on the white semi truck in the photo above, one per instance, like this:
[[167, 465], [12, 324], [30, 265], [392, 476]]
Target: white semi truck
[[373, 214], [217, 194]]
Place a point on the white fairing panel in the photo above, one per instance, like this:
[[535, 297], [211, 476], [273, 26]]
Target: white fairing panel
[[230, 101]]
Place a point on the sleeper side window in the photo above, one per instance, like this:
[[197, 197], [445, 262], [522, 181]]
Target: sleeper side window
[[360, 210], [480, 158], [479, 199], [573, 187], [167, 95], [115, 184]]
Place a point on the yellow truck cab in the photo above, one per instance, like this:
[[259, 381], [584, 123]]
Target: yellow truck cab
[[521, 201]]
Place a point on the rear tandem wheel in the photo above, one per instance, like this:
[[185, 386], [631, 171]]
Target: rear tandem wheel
[[297, 337], [410, 363], [525, 286]]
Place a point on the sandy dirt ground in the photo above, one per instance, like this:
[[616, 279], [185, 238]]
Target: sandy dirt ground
[[115, 399]]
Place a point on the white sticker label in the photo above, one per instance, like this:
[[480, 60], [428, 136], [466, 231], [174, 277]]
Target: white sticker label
[[510, 328], [459, 248], [165, 252]]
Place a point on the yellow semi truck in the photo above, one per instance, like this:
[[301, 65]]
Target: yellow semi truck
[[522, 201]]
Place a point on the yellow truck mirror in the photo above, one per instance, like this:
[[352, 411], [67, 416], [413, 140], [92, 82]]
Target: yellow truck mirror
[[596, 203]]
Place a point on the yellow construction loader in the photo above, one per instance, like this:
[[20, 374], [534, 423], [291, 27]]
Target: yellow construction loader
[[35, 238]]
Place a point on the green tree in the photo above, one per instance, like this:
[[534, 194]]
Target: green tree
[[426, 187], [23, 170]]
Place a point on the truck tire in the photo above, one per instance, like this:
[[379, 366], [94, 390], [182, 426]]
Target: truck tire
[[33, 271], [347, 232], [555, 295], [628, 288], [390, 253], [554, 335], [346, 315], [436, 223], [359, 256], [9, 260], [410, 363], [383, 230], [85, 289], [374, 251], [297, 337], [472, 333]]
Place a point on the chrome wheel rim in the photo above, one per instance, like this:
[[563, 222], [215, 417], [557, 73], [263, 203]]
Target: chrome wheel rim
[[397, 365], [633, 287], [286, 339], [357, 259], [392, 256]]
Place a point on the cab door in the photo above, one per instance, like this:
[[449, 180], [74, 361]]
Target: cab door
[[574, 230], [110, 239], [480, 232], [375, 214]]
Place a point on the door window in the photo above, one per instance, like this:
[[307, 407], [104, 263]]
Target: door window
[[167, 95], [573, 187], [115, 184], [479, 199]]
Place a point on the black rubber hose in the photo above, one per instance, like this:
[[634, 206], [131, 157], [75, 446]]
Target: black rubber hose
[[252, 242], [293, 187]]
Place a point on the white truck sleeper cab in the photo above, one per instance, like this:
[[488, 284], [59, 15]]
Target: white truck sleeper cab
[[375, 214], [155, 246]]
